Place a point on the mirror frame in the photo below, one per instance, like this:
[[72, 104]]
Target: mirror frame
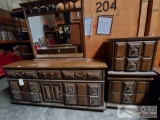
[[29, 5]]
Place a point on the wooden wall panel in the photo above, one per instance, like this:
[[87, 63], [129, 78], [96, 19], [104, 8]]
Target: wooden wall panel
[[152, 17], [143, 17], [125, 24]]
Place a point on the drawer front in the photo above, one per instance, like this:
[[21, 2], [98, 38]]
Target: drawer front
[[132, 64], [34, 86], [21, 74], [139, 98], [69, 88], [14, 85], [27, 96], [70, 99], [35, 96], [120, 49], [142, 87], [27, 87], [49, 74], [129, 87], [127, 98], [115, 97], [116, 86], [82, 74], [94, 100], [149, 48], [146, 64], [119, 64], [134, 49]]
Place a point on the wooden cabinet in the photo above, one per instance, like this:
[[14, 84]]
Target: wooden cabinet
[[130, 71], [60, 83]]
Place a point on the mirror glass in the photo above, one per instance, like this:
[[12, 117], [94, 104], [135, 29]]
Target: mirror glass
[[58, 34]]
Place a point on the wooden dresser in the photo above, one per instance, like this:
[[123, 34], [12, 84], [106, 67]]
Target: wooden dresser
[[130, 72], [65, 83]]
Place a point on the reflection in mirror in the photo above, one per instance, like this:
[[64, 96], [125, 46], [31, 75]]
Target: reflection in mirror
[[56, 33]]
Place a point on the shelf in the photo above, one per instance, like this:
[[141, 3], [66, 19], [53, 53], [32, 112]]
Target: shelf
[[54, 12], [13, 41], [8, 21]]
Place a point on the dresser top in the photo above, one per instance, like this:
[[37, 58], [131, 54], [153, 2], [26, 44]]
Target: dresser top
[[157, 70], [58, 64]]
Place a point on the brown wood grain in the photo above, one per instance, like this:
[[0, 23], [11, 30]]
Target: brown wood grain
[[125, 23], [143, 16], [57, 64], [157, 56]]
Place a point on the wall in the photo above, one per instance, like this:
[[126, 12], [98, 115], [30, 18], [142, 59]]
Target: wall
[[125, 24]]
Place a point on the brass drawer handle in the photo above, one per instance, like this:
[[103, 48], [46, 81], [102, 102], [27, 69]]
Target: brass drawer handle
[[44, 74], [18, 74], [52, 76], [80, 75]]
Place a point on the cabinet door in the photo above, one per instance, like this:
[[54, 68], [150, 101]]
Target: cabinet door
[[35, 97], [119, 64], [120, 49], [52, 92], [148, 48]]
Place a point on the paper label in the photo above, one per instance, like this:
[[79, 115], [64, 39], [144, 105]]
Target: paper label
[[21, 82], [104, 25], [88, 26]]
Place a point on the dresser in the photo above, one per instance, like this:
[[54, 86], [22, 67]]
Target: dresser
[[69, 83], [130, 72]]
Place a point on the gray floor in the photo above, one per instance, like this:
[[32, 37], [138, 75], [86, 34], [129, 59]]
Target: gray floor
[[10, 111]]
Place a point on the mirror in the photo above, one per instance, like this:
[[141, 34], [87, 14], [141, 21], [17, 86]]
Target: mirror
[[55, 32]]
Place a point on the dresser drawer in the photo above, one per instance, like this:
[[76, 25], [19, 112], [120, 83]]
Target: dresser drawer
[[49, 74], [82, 74], [27, 96], [29, 86], [21, 74]]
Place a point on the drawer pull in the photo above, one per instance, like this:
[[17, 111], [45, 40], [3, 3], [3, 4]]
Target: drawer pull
[[51, 75], [80, 75], [44, 75], [20, 75]]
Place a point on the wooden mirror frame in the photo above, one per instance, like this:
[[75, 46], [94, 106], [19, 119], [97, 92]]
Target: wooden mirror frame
[[29, 5]]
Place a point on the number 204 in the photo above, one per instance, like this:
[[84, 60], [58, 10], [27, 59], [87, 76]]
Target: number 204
[[105, 6]]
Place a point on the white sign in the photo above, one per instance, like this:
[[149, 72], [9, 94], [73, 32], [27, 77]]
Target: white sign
[[88, 25], [104, 25], [21, 82]]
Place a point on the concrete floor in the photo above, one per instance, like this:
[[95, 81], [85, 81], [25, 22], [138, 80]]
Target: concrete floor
[[10, 111]]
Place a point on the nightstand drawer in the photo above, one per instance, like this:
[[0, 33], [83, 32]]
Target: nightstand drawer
[[82, 74]]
